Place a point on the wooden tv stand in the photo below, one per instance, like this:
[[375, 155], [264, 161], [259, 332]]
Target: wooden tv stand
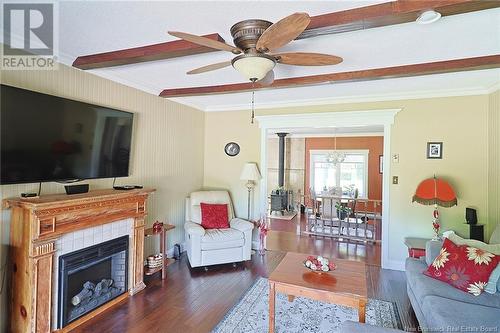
[[36, 224]]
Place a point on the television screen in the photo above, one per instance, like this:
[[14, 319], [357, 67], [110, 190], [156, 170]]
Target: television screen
[[49, 138]]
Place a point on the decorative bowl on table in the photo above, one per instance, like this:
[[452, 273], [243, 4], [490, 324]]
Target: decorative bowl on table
[[319, 264]]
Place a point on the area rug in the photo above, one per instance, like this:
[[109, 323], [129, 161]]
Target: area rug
[[250, 314]]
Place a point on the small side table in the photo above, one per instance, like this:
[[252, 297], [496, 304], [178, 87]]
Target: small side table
[[163, 239], [416, 246]]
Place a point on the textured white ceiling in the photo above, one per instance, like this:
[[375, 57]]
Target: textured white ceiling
[[88, 27]]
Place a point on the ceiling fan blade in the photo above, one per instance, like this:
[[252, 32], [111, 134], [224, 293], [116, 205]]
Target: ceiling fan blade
[[210, 67], [307, 59], [205, 41], [283, 32], [268, 79]]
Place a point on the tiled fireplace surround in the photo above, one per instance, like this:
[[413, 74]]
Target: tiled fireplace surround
[[84, 238]]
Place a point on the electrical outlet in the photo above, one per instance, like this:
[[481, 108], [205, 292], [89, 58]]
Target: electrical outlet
[[395, 180], [395, 158]]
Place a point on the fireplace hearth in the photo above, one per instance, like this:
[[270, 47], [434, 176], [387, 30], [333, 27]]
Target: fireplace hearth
[[91, 277]]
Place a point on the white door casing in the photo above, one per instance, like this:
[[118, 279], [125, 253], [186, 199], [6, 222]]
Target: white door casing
[[383, 117]]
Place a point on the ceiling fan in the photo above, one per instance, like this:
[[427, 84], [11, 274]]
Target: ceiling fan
[[256, 41]]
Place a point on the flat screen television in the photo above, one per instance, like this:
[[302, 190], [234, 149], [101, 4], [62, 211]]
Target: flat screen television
[[48, 138]]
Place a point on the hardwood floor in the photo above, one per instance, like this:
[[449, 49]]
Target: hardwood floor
[[192, 300], [286, 236]]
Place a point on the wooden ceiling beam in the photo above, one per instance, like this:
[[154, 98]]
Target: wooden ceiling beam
[[384, 14], [167, 50], [389, 13], [438, 67]]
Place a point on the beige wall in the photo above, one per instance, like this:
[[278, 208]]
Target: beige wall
[[460, 122], [167, 144], [222, 171], [494, 161]]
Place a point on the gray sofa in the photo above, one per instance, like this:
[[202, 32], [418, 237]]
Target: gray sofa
[[441, 307]]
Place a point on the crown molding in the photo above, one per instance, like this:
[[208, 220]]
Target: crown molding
[[424, 94], [493, 88]]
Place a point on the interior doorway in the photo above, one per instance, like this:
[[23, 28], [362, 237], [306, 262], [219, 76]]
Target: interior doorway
[[362, 140]]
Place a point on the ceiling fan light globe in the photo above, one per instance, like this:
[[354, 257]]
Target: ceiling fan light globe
[[254, 67]]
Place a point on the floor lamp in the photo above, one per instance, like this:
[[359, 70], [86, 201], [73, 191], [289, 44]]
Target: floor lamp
[[251, 174]]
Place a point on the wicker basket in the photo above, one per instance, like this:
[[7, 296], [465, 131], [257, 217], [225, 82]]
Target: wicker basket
[[155, 261]]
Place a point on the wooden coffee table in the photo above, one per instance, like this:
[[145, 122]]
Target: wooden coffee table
[[344, 286]]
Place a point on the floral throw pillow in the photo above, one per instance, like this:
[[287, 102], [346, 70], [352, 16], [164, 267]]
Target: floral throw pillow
[[464, 267]]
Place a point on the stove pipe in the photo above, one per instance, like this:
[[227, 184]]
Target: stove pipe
[[281, 161]]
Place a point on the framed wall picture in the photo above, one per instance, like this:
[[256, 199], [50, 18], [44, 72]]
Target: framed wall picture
[[381, 164], [434, 150]]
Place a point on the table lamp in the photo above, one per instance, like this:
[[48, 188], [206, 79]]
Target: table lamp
[[251, 174], [437, 192]]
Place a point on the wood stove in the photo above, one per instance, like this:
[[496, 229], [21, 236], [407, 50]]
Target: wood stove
[[281, 198]]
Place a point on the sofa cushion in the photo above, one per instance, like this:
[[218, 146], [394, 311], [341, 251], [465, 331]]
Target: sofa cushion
[[464, 267], [208, 246], [222, 239], [494, 282], [432, 249], [493, 248], [221, 235], [453, 316], [214, 216], [495, 236], [424, 286]]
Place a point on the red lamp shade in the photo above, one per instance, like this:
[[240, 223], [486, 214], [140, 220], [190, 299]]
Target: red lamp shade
[[435, 191]]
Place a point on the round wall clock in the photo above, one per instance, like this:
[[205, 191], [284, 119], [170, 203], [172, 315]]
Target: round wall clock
[[232, 149]]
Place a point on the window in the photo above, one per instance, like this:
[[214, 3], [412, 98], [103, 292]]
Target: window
[[352, 172]]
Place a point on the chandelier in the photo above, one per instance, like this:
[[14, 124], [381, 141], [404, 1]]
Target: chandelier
[[336, 156]]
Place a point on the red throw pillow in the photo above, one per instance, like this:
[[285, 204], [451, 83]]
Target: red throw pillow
[[464, 267], [214, 216]]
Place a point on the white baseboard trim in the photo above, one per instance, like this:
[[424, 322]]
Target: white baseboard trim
[[396, 265]]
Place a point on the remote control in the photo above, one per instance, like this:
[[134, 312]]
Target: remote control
[[28, 195]]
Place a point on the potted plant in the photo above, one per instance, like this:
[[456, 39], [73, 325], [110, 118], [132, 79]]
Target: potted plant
[[343, 212]]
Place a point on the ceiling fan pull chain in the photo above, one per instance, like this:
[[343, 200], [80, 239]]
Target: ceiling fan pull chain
[[253, 101]]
